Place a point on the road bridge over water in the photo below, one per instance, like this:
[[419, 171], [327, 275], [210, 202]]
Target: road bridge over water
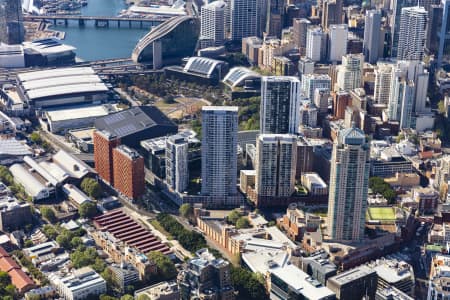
[[98, 20]]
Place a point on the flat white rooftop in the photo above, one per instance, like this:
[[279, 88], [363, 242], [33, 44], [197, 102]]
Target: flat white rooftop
[[54, 73], [89, 111], [67, 90], [64, 80], [302, 282]]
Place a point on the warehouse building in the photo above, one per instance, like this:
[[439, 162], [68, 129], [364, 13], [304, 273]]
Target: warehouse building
[[58, 120], [63, 86], [136, 124]]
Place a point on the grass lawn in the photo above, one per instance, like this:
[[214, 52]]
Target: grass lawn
[[158, 227], [381, 213]]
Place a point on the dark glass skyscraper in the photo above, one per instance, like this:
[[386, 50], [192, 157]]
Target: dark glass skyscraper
[[11, 22]]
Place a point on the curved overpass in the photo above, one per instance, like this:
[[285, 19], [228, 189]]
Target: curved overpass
[[172, 40]]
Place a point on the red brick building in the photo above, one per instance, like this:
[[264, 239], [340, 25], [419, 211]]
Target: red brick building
[[104, 143], [129, 175]]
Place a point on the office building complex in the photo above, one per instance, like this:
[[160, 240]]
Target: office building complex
[[315, 44], [129, 175], [413, 33], [372, 36], [312, 82], [275, 17], [280, 100], [11, 22], [349, 74], [219, 150], [383, 76], [212, 24], [396, 7], [349, 180], [308, 115], [300, 30], [206, 277], [331, 12], [244, 19], [276, 156], [409, 84], [104, 143], [442, 34], [177, 171], [354, 284], [79, 284], [337, 42]]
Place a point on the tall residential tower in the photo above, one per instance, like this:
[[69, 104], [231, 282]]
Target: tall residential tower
[[349, 179], [219, 150], [280, 100], [275, 165], [413, 33]]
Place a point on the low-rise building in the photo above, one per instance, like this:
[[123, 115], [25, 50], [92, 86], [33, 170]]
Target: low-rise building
[[319, 266], [19, 279], [439, 278], [393, 273], [296, 222], [427, 200], [389, 162], [75, 195], [161, 291], [124, 275], [57, 120], [354, 284], [288, 281], [79, 284], [206, 277], [314, 184], [13, 214]]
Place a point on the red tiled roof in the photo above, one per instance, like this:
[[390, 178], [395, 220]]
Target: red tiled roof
[[3, 252], [21, 281], [123, 227], [7, 264]]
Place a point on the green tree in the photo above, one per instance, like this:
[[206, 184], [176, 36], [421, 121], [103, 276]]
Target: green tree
[[98, 265], [108, 276], [92, 188], [379, 186], [6, 176], [35, 137], [127, 297], [75, 242], [441, 107], [242, 222], [64, 239], [50, 231], [248, 285], [5, 279], [49, 214], [165, 267], [82, 258], [106, 297], [234, 216], [186, 211], [88, 210]]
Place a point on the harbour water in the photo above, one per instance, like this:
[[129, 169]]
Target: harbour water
[[102, 43]]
